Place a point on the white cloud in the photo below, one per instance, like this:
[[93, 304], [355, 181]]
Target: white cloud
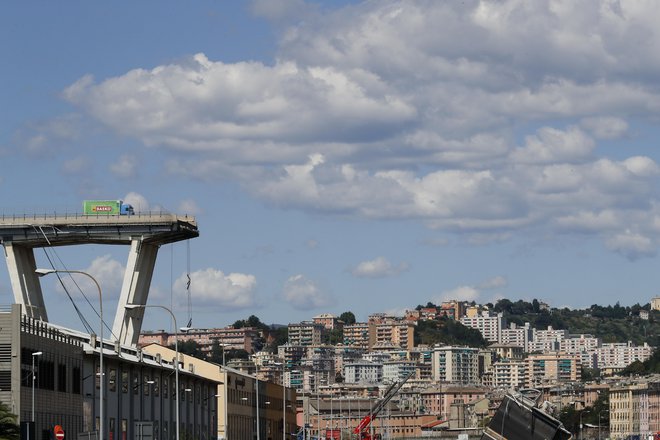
[[632, 245], [555, 146], [379, 267], [605, 127], [189, 207], [485, 124], [304, 294], [138, 201], [471, 293], [75, 165], [215, 289], [49, 136], [493, 283], [460, 293], [107, 271], [126, 166]]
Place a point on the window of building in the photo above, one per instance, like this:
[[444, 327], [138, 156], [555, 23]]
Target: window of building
[[76, 380], [112, 380], [124, 382], [61, 378], [146, 385]]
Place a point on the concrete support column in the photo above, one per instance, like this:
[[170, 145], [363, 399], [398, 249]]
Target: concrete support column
[[134, 290], [24, 281]]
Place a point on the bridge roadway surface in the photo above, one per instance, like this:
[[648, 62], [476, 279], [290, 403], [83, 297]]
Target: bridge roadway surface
[[43, 230]]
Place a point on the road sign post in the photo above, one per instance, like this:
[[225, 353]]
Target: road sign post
[[59, 432]]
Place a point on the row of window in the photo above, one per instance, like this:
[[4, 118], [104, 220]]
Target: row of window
[[53, 373]]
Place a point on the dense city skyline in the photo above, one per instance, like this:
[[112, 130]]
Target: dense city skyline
[[363, 156]]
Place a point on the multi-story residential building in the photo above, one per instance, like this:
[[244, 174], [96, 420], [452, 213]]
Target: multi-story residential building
[[507, 351], [489, 325], [230, 338], [547, 340], [394, 371], [552, 368], [517, 335], [509, 374], [580, 344], [459, 365], [452, 309], [655, 303], [363, 372], [344, 355], [438, 400], [622, 354], [472, 311], [357, 335], [291, 355], [397, 333], [328, 321], [635, 408], [305, 333]]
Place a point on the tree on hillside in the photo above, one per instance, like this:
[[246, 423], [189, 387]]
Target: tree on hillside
[[347, 318], [447, 331], [191, 348], [9, 429]]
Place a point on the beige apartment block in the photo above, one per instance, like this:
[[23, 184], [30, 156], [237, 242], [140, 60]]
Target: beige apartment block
[[357, 335], [655, 303], [635, 408], [305, 333], [552, 368]]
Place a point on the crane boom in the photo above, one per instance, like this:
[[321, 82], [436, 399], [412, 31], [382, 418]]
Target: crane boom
[[392, 391]]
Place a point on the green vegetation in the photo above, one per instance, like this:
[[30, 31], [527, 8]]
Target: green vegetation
[[347, 318], [9, 429], [447, 331], [570, 416]]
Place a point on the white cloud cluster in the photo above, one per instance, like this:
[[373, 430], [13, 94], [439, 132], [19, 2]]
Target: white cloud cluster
[[213, 288], [304, 294], [379, 267], [487, 121], [471, 293], [107, 271]]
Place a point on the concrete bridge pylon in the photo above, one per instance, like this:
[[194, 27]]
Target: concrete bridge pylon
[[143, 232]]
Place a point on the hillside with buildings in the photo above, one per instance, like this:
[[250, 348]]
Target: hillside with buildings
[[462, 356]]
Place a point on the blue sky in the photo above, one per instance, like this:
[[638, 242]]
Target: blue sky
[[363, 156]]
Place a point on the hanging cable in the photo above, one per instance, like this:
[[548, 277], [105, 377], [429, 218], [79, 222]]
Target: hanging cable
[[188, 284], [84, 321]]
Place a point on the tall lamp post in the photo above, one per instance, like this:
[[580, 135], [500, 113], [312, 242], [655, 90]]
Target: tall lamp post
[[225, 388], [34, 355], [176, 350], [581, 430], [256, 378], [283, 364], [43, 272], [599, 413]]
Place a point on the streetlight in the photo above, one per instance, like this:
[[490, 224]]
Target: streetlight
[[599, 413], [256, 378], [283, 401], [34, 355], [224, 392], [176, 350], [582, 412], [44, 272]]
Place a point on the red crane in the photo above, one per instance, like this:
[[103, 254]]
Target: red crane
[[362, 429]]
